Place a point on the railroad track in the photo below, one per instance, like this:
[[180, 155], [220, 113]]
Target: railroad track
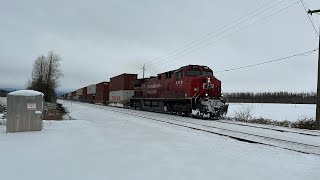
[[267, 127], [233, 132], [280, 129]]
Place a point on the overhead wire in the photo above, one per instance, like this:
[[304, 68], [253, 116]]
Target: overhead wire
[[153, 62], [210, 34], [306, 53], [252, 65], [217, 33], [228, 34], [306, 9]]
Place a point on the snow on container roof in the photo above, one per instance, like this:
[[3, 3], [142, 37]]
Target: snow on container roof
[[26, 93]]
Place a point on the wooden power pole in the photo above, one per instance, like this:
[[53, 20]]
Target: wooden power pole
[[318, 83], [314, 11], [143, 70]]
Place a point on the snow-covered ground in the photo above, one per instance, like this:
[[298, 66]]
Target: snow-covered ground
[[290, 112], [3, 100], [102, 144]]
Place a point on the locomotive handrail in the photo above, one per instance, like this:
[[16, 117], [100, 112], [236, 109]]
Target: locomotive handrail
[[195, 100]]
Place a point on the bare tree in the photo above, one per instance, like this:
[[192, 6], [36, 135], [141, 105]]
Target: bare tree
[[54, 71], [38, 71], [46, 74]]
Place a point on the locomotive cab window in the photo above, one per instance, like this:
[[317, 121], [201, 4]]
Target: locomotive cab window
[[179, 74], [193, 73], [207, 73], [168, 74]]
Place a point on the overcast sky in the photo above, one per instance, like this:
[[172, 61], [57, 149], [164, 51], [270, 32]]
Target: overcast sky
[[98, 39]]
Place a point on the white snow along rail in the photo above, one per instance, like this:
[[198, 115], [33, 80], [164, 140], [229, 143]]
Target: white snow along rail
[[295, 140]]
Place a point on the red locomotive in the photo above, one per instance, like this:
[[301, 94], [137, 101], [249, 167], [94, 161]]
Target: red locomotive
[[189, 90]]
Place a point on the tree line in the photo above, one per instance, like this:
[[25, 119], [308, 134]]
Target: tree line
[[3, 93], [272, 97], [45, 76]]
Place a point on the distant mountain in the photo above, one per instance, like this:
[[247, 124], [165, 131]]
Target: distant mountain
[[8, 89], [5, 91]]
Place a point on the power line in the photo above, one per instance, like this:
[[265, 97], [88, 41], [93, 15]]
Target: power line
[[305, 8], [224, 36], [210, 34], [179, 51], [213, 35], [228, 34], [307, 53]]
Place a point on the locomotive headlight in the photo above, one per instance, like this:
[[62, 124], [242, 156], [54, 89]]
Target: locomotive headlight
[[206, 94], [196, 89], [209, 80]]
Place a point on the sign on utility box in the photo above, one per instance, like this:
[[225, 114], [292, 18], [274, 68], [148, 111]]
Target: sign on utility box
[[24, 111]]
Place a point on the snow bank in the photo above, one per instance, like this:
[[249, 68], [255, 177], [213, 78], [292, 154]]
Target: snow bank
[[26, 93]]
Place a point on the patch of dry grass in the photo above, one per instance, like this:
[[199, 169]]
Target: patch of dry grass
[[305, 123], [245, 115], [54, 112]]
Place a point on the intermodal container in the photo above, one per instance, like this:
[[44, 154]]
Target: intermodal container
[[102, 92], [78, 94], [91, 89], [73, 94], [84, 94], [91, 98], [122, 82], [120, 98]]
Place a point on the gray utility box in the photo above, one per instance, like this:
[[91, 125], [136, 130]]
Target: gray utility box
[[24, 111]]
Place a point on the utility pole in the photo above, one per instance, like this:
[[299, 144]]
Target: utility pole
[[318, 83], [143, 70], [314, 11]]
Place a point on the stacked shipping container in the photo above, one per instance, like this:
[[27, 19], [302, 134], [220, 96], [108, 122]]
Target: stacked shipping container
[[102, 92], [91, 93], [78, 94], [73, 94], [84, 94], [121, 89], [117, 92]]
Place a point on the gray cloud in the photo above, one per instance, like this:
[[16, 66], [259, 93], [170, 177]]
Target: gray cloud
[[99, 39]]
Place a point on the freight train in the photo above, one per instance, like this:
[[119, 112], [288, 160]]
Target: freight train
[[191, 90]]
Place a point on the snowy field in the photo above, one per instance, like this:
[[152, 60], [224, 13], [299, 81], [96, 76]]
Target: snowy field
[[290, 112], [102, 144]]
